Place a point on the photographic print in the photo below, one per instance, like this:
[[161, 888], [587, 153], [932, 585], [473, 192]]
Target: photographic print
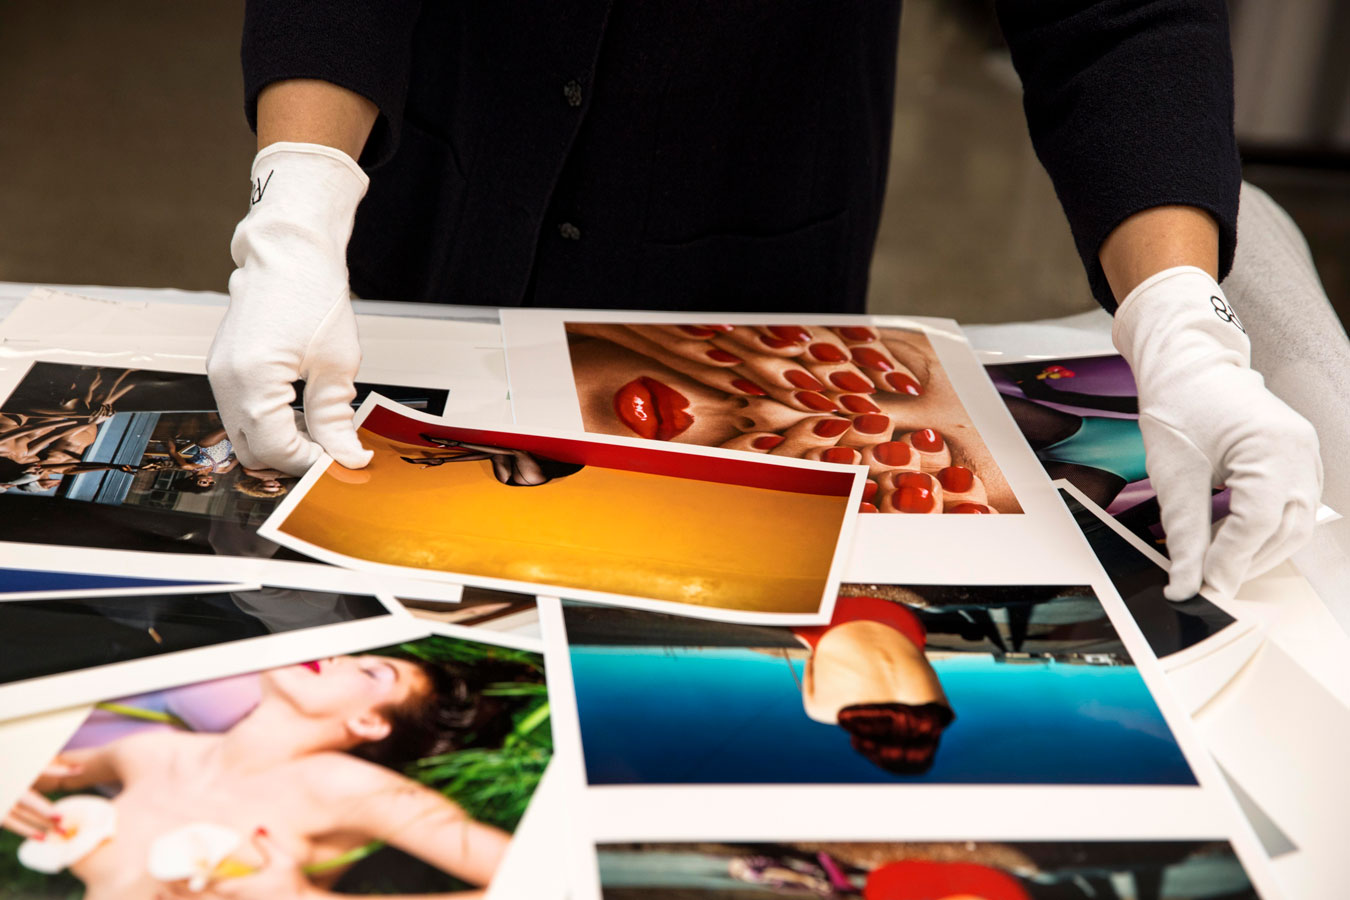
[[940, 446], [689, 529], [937, 870], [1169, 627], [400, 770], [853, 394], [136, 459], [1081, 417], [914, 684], [60, 652]]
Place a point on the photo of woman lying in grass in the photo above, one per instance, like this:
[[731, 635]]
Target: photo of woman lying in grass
[[302, 781]]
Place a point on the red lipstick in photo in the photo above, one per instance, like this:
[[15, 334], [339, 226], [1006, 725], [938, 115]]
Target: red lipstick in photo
[[651, 409]]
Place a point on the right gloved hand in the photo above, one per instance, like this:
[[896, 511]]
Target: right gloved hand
[[290, 314]]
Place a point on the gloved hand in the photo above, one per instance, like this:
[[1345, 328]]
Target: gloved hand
[[290, 314], [1208, 419]]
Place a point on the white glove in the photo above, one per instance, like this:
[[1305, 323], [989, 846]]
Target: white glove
[[290, 314], [1208, 419]]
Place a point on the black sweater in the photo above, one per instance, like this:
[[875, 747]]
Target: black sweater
[[721, 155]]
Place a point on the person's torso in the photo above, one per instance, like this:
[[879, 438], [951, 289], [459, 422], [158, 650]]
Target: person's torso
[[713, 155]]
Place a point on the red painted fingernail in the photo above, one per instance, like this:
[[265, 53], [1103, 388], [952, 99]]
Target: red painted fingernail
[[893, 453], [718, 355], [722, 328], [795, 334], [827, 352], [55, 818], [775, 343], [844, 455], [870, 489], [855, 333], [852, 381], [865, 507], [914, 493], [697, 331], [914, 500], [927, 440], [872, 423], [957, 479], [870, 359], [803, 379], [767, 442], [816, 401], [745, 386], [978, 509], [902, 383], [856, 403], [260, 831], [830, 427]]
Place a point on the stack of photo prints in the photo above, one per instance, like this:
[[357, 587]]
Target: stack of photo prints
[[808, 607]]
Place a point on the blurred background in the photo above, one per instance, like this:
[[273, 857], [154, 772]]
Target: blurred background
[[125, 155]]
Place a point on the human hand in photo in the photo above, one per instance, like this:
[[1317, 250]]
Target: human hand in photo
[[1207, 420], [279, 875], [32, 817], [290, 315], [847, 394]]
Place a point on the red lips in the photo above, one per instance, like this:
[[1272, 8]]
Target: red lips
[[651, 409], [312, 665]]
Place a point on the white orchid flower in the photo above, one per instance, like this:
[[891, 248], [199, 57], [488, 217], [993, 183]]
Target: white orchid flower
[[197, 853], [86, 822]]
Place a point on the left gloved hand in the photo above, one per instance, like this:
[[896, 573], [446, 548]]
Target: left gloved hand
[[1208, 419]]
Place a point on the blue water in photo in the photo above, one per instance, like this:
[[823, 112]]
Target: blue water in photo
[[661, 715]]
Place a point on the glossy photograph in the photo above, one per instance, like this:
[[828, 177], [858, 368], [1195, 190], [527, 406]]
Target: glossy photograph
[[964, 870], [60, 652], [1081, 417], [852, 394], [136, 459], [1170, 627], [401, 770], [692, 530], [905, 685]]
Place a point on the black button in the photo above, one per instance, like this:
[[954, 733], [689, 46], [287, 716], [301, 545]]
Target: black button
[[572, 91], [569, 231]]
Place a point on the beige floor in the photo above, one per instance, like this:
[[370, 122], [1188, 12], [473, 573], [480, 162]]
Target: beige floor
[[124, 158]]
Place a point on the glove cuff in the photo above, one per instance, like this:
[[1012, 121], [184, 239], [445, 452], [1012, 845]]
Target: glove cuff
[[281, 152], [305, 192], [1179, 317]]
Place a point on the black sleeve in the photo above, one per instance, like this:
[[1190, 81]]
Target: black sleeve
[[1130, 106], [356, 44]]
